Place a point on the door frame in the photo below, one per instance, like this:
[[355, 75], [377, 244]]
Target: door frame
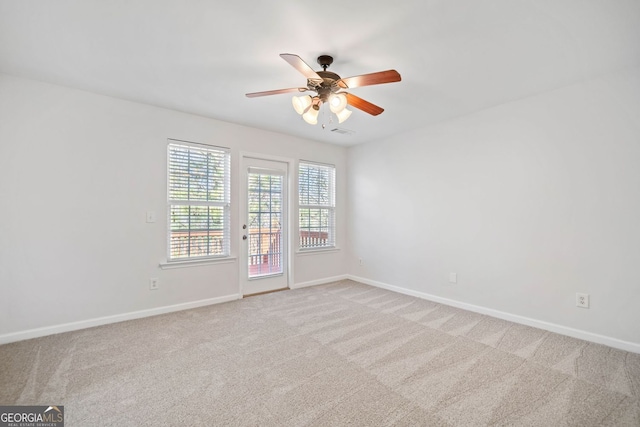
[[292, 194]]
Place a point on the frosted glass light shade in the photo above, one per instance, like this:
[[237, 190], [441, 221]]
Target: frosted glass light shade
[[301, 103], [343, 115], [311, 116], [338, 103]]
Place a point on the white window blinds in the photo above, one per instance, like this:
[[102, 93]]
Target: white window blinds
[[199, 200], [316, 187]]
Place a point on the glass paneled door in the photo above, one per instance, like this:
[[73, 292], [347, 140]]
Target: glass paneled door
[[264, 230]]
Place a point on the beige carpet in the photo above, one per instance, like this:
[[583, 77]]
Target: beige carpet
[[337, 354]]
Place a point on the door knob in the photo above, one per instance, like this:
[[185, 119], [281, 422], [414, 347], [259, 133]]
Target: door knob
[[244, 237]]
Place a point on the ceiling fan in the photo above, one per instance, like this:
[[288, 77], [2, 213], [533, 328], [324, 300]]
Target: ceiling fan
[[330, 87]]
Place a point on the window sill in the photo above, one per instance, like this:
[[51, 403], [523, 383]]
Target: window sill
[[315, 251], [167, 265]]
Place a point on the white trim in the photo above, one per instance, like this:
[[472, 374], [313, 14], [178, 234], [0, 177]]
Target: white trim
[[540, 324], [320, 281], [226, 204], [167, 265], [313, 162], [198, 144], [261, 156], [330, 207], [90, 323], [315, 251], [287, 165]]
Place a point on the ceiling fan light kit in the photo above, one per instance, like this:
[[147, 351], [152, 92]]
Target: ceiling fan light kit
[[301, 103], [343, 115], [311, 116], [338, 103], [330, 88]]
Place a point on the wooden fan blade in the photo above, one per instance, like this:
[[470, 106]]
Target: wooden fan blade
[[276, 92], [297, 63], [378, 78], [363, 105]]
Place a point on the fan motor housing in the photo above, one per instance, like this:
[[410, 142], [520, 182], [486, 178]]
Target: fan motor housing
[[328, 84], [326, 87], [328, 75]]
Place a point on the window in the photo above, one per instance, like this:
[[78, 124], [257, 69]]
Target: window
[[316, 187], [198, 199]]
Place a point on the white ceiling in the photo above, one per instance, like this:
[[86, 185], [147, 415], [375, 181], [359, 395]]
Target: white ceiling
[[201, 57]]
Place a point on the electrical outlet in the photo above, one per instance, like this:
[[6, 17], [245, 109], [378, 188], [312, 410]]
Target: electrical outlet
[[453, 277], [361, 261], [582, 300], [153, 283]]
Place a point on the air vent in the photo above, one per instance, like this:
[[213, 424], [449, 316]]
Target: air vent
[[343, 131]]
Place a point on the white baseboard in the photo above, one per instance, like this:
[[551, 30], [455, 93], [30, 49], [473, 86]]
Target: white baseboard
[[89, 323], [319, 281], [552, 327]]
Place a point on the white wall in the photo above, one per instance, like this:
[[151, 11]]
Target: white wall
[[78, 172], [529, 202]]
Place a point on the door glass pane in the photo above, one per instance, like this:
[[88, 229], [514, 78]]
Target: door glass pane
[[265, 224]]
